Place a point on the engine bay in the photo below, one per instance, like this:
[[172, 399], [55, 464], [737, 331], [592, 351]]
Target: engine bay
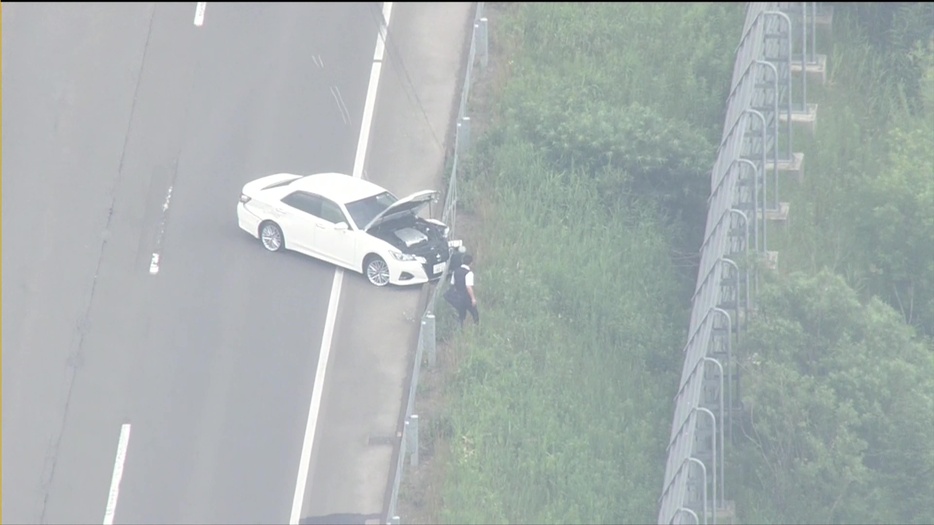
[[413, 235], [410, 236]]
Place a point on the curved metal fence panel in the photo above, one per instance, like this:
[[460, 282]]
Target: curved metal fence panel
[[744, 195]]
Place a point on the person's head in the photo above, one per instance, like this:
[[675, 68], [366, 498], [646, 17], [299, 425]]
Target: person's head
[[467, 259]]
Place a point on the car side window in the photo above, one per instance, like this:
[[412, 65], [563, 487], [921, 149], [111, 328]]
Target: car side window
[[331, 212], [305, 202]]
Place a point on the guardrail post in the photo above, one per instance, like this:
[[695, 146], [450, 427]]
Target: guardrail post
[[720, 418], [483, 41], [813, 31], [689, 512], [790, 99], [713, 461], [775, 148], [428, 328], [729, 360], [764, 130], [703, 467], [413, 432], [463, 136]]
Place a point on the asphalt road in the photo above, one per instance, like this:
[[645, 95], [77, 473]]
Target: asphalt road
[[212, 359]]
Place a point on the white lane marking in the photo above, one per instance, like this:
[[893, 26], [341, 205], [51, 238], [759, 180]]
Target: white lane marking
[[314, 408], [345, 113], [168, 198], [318, 61], [122, 445], [371, 93], [383, 29], [154, 262], [199, 13]]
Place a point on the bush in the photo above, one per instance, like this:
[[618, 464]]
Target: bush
[[839, 397]]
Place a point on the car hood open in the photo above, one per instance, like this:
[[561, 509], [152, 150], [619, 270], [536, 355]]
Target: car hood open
[[408, 205]]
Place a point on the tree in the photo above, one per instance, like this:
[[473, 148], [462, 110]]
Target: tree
[[897, 225], [897, 29], [839, 401]]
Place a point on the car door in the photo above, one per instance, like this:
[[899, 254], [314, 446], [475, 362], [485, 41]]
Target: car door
[[333, 237], [297, 215]]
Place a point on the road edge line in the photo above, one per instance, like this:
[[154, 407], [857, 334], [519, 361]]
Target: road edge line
[[301, 483]]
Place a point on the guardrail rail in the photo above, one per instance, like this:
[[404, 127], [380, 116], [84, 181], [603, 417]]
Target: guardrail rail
[[408, 446]]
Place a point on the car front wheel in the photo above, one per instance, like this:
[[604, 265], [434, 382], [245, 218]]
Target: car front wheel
[[376, 270], [270, 234]]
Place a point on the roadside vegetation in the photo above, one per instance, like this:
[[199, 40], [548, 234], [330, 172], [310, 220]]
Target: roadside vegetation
[[583, 201], [838, 369]]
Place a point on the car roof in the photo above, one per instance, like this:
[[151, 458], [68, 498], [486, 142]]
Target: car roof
[[337, 187]]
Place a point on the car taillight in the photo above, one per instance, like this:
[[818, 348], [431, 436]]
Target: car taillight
[[244, 198]]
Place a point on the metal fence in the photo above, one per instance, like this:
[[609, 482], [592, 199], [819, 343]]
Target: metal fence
[[426, 348], [744, 199]]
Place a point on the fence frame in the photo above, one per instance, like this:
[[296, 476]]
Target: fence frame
[[721, 307]]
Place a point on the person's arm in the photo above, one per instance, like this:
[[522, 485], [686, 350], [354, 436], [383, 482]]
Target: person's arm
[[468, 281]]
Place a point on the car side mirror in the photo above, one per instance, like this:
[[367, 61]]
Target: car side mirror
[[341, 226]]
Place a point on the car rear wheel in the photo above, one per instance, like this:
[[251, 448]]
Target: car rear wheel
[[270, 234], [376, 270]]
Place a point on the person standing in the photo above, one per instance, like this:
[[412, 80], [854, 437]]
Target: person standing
[[466, 300], [456, 260]]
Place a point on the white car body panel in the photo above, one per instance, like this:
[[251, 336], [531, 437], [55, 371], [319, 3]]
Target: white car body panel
[[319, 238], [422, 197]]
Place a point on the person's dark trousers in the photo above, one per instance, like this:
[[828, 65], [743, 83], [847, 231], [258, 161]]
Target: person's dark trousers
[[465, 307]]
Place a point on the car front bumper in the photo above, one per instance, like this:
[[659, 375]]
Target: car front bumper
[[404, 273]]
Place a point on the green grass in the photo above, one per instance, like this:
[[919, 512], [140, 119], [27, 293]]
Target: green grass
[[560, 406], [563, 396]]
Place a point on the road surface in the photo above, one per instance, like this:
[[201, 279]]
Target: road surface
[[129, 295]]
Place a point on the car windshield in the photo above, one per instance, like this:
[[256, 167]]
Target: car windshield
[[364, 210]]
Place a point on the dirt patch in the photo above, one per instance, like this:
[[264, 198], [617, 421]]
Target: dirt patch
[[421, 498]]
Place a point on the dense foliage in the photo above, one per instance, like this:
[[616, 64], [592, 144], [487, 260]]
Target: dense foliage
[[866, 207], [837, 370], [840, 410]]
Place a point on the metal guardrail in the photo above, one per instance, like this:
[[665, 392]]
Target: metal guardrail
[[734, 247], [408, 447]]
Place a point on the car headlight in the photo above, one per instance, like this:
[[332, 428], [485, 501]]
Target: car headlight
[[244, 198], [399, 256]]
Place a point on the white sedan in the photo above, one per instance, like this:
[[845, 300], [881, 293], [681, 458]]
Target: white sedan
[[348, 222]]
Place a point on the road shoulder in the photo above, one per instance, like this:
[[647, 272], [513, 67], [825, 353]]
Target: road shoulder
[[376, 331]]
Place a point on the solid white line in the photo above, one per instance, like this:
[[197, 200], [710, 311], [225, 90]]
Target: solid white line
[[154, 264], [199, 13], [383, 29], [317, 391], [122, 445], [371, 93]]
